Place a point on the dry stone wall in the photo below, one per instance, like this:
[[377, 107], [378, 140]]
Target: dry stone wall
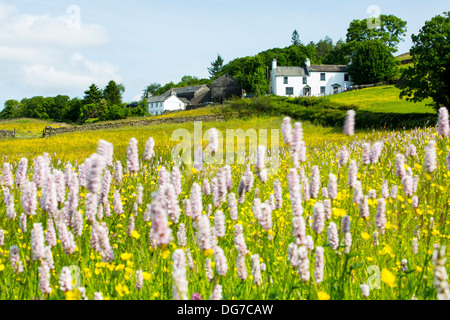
[[51, 131], [7, 134]]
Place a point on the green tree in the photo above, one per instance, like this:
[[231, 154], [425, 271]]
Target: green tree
[[339, 55], [372, 62], [216, 67], [113, 93], [116, 113], [73, 110], [12, 109], [430, 75], [390, 31], [295, 39], [323, 49], [102, 110], [152, 88], [253, 75], [92, 95]]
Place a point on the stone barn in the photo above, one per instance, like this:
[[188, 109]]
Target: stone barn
[[224, 88]]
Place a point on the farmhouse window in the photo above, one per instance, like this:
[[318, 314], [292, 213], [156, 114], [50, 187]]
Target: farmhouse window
[[322, 90], [285, 80], [305, 80], [346, 78], [322, 77], [289, 90]]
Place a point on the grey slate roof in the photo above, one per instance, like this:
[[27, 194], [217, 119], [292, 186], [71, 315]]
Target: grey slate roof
[[305, 71], [160, 98], [291, 71], [328, 68], [184, 90]]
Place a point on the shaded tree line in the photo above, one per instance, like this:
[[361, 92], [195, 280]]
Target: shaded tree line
[[101, 104]]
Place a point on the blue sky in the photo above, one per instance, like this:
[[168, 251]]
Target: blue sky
[[61, 47]]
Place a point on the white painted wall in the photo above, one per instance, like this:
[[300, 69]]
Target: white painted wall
[[279, 88], [171, 103]]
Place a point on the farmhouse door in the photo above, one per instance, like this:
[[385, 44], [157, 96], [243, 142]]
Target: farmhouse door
[[306, 91]]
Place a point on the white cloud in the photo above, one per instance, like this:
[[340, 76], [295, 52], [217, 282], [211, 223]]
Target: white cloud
[[45, 54]]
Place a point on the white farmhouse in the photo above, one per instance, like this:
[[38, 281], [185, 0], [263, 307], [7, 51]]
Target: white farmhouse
[[310, 80], [158, 104]]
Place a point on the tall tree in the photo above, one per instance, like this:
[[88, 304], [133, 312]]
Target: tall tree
[[295, 40], [323, 49], [113, 93], [372, 62], [92, 95], [390, 31], [430, 75], [216, 67], [152, 89]]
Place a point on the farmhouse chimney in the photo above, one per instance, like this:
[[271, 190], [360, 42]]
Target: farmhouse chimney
[[308, 62], [274, 64]]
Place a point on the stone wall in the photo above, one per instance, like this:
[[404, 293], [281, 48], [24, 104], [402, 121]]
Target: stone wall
[[6, 134], [51, 131]]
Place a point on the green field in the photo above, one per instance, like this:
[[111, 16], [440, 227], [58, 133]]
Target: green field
[[382, 99]]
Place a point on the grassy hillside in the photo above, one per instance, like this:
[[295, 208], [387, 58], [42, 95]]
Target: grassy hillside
[[381, 99]]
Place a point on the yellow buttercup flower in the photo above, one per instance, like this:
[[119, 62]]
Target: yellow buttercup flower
[[323, 295], [135, 234], [126, 256], [388, 277]]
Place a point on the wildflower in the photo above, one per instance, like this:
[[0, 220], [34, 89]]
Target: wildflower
[[400, 165], [132, 156], [117, 203], [352, 172], [349, 124], [213, 140], [256, 270], [347, 242], [343, 156], [196, 201], [366, 153], [385, 189], [196, 296], [415, 245], [323, 295], [375, 238], [149, 153], [65, 280], [345, 224], [315, 183], [180, 286], [206, 187], [241, 268], [95, 173], [380, 217], [388, 277], [98, 296], [301, 256], [318, 218], [204, 233], [208, 269], [216, 293], [286, 130], [233, 206], [221, 261], [404, 265], [21, 173], [239, 240], [37, 242], [278, 193], [333, 237], [14, 259], [430, 162], [181, 235], [319, 265], [443, 125], [106, 150], [440, 272], [299, 230], [265, 216], [118, 172], [44, 279], [365, 290], [160, 225]]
